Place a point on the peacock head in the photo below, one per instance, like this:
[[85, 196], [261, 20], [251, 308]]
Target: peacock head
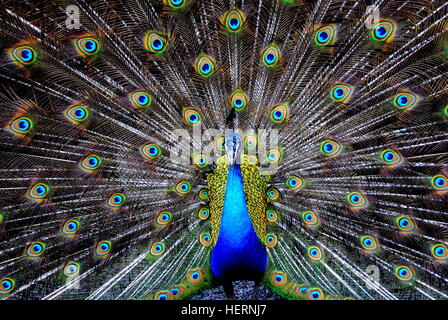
[[233, 146]]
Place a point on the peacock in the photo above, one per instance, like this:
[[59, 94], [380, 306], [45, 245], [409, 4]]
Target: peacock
[[157, 149]]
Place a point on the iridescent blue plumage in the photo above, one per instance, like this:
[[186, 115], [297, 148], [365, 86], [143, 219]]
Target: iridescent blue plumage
[[238, 253]]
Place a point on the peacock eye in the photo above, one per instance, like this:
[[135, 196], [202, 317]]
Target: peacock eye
[[369, 243], [150, 151], [279, 113], [21, 126], [116, 200], [191, 117], [325, 35], [71, 269], [35, 249], [38, 192], [294, 183], [70, 227], [24, 54], [140, 99], [234, 20], [310, 218], [330, 148], [271, 240], [157, 248], [274, 155], [404, 273], [155, 42], [278, 279], [405, 100], [391, 157], [203, 194], [87, 46], [315, 253], [77, 114], [239, 100], [182, 188], [439, 251], [195, 276], [203, 213], [205, 65], [164, 218], [273, 194], [341, 92], [315, 294], [272, 215], [271, 56], [384, 31], [200, 160], [90, 163], [440, 182], [175, 4], [103, 248], [6, 285], [357, 200], [405, 224], [205, 239]]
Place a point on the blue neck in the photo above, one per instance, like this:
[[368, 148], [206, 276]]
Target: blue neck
[[238, 253]]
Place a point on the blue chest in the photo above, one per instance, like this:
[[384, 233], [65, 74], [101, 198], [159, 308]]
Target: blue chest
[[238, 253]]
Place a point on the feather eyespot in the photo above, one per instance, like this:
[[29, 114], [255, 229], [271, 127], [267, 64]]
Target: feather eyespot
[[315, 294], [203, 194], [191, 117], [404, 273], [405, 224], [176, 4], [35, 249], [157, 249], [21, 126], [200, 160], [310, 218], [70, 227], [271, 56], [357, 200], [279, 113], [140, 99], [440, 182], [182, 188], [239, 100], [205, 65], [195, 276], [71, 269], [330, 148], [273, 194], [87, 46], [341, 92], [391, 158], [90, 163], [38, 192], [384, 31], [278, 279], [164, 217], [315, 253], [439, 251], [24, 54], [150, 151], [270, 240], [203, 213], [77, 114], [116, 200], [103, 248], [163, 295], [405, 101], [6, 285], [205, 239], [274, 155], [234, 20], [369, 243], [325, 35], [155, 42], [294, 183], [271, 215]]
